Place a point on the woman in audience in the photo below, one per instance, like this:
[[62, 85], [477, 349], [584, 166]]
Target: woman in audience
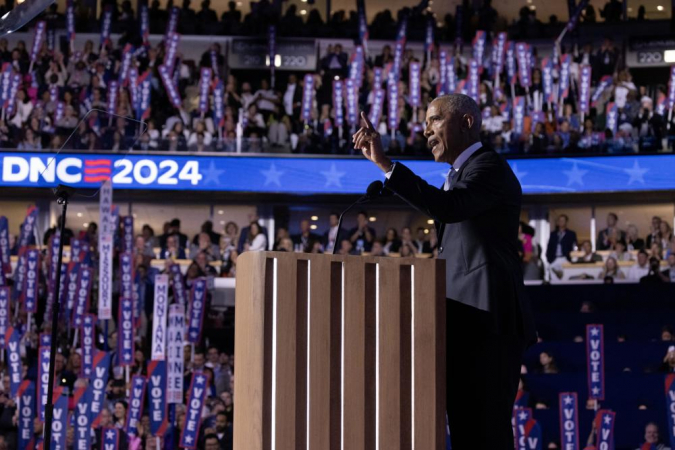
[[669, 360], [229, 240], [22, 110], [656, 251], [611, 270], [29, 141], [392, 243], [548, 364], [666, 234], [620, 253], [256, 240], [633, 240], [120, 414]]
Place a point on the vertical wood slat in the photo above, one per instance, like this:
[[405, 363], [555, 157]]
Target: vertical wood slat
[[252, 430], [324, 354], [302, 289], [286, 353], [429, 350]]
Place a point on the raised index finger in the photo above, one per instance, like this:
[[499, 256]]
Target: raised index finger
[[367, 122]]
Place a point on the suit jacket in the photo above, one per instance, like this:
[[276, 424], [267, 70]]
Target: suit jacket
[[477, 224], [567, 244]]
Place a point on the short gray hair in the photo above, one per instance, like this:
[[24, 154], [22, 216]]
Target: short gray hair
[[462, 104]]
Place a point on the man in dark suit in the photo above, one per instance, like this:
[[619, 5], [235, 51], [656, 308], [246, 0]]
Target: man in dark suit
[[306, 239], [561, 242], [476, 212]]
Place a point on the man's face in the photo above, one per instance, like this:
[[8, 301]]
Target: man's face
[[221, 423], [642, 259], [304, 226], [212, 444], [199, 359], [333, 220], [362, 220], [651, 434], [656, 222], [292, 79], [611, 220], [561, 222], [437, 132], [214, 356]]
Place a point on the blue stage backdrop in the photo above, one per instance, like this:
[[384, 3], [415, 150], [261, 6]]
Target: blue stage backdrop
[[313, 175]]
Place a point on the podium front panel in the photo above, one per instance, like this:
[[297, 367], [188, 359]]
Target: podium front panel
[[339, 352]]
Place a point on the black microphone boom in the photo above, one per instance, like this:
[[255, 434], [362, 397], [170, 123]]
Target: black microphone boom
[[374, 190]]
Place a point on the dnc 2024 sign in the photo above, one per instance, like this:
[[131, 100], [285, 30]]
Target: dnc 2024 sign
[[312, 175]]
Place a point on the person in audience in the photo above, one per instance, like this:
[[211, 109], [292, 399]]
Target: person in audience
[[421, 243], [652, 438], [330, 237], [256, 239], [655, 233], [667, 334], [172, 250], [304, 241], [548, 364], [206, 246], [362, 236], [620, 253], [665, 233], [654, 276], [611, 270], [640, 268], [282, 233], [633, 241], [228, 241], [149, 236], [656, 251], [669, 273], [669, 360], [610, 235], [588, 256], [243, 237], [560, 244], [346, 248], [377, 249], [392, 244]]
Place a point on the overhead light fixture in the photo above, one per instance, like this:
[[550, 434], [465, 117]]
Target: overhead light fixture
[[312, 227], [315, 218], [222, 222], [79, 214], [220, 211], [303, 12], [85, 224], [372, 219], [426, 231], [277, 60], [659, 8], [430, 221], [669, 56]]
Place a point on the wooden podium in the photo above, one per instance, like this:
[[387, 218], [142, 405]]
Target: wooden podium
[[339, 353]]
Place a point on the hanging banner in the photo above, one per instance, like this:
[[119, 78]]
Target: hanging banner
[[43, 380], [523, 64], [105, 249], [125, 332], [478, 44], [135, 404], [5, 313], [392, 103], [196, 310], [564, 80], [98, 383], [175, 353], [27, 413], [204, 89], [569, 421], [5, 261], [612, 114], [604, 423], [193, 415], [473, 80], [12, 340], [82, 400], [170, 87], [547, 79], [414, 84], [338, 95], [585, 89], [106, 21], [307, 98], [351, 98], [157, 398], [31, 281], [159, 318], [171, 50], [60, 418], [38, 37], [111, 438], [605, 82], [81, 307], [595, 361], [88, 344], [178, 284], [519, 115], [670, 408], [376, 107]]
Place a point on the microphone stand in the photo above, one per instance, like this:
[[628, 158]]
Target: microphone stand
[[63, 193], [363, 199]]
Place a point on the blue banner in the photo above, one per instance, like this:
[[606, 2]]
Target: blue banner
[[43, 380], [307, 98], [414, 84], [157, 397], [111, 439], [392, 103], [442, 86], [106, 21], [585, 89], [5, 263], [5, 313], [605, 426], [60, 418], [473, 79], [564, 81], [376, 107], [27, 413], [523, 56], [82, 400], [522, 419], [193, 414], [204, 89], [31, 281], [12, 339], [69, 294], [125, 333], [82, 296], [99, 381], [595, 361], [569, 421], [135, 404], [88, 344], [478, 48], [28, 227], [338, 97], [178, 284], [670, 407], [38, 37], [169, 86], [196, 312]]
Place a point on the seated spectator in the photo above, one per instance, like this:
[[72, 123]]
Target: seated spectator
[[655, 232], [652, 438], [392, 244], [362, 236], [421, 243], [611, 234], [29, 141], [620, 253], [669, 273], [560, 244], [667, 334], [589, 256], [172, 250], [656, 251], [304, 241], [548, 364], [206, 246], [256, 239], [612, 270], [641, 267], [330, 236], [654, 276], [666, 234], [377, 249], [346, 248], [669, 360], [633, 241]]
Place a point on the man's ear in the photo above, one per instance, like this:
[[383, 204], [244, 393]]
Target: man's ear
[[468, 120]]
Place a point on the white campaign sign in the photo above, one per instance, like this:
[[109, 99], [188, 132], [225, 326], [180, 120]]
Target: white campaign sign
[[159, 318], [105, 250], [174, 368]]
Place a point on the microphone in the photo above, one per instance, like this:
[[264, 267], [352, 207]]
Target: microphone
[[375, 189], [21, 15]]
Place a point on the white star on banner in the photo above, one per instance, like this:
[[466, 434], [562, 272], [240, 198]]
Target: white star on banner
[[200, 380], [272, 175], [568, 400], [519, 175], [333, 176], [596, 390], [110, 434], [575, 175], [522, 416], [608, 420], [188, 439], [636, 173], [212, 175], [595, 331]]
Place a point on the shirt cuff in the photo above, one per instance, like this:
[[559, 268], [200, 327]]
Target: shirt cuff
[[388, 174]]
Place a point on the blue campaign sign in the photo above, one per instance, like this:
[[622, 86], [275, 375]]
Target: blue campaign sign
[[315, 175]]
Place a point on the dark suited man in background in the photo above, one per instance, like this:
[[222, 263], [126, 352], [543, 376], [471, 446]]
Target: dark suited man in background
[[477, 211], [561, 242]]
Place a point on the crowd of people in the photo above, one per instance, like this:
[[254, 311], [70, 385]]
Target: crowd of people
[[60, 87]]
